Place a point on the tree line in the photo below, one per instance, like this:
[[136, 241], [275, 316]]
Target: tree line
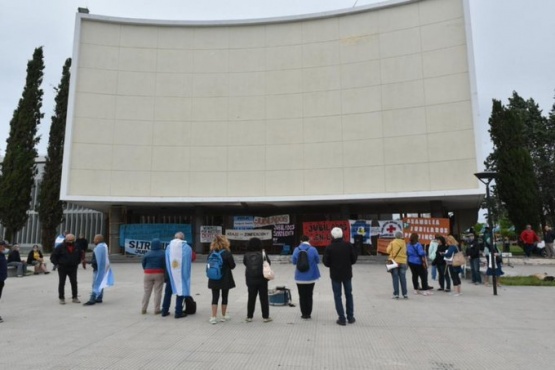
[[19, 164], [523, 156]]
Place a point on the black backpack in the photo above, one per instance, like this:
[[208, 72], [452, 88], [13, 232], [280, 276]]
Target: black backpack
[[190, 306], [302, 261]]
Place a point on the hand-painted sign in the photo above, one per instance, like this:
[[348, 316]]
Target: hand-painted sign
[[272, 220], [208, 233], [319, 232], [426, 228]]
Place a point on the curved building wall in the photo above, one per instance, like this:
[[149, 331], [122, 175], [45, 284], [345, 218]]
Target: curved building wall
[[363, 104]]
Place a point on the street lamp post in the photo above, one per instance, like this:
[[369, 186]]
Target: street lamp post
[[486, 178]]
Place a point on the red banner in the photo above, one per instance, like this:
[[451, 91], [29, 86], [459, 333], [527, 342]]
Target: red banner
[[320, 232]]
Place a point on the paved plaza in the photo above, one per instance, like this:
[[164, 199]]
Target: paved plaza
[[514, 330]]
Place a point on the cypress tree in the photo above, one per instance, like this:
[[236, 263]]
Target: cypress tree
[[50, 207], [18, 167], [516, 184]]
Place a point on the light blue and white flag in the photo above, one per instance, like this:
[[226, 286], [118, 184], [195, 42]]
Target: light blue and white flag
[[59, 240], [104, 276], [178, 262]]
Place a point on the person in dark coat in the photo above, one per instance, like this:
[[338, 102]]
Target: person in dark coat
[[68, 257], [441, 264], [340, 257], [221, 245], [82, 243], [154, 266], [14, 259], [257, 284], [3, 269]]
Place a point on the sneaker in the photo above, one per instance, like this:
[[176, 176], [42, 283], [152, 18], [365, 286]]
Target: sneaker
[[225, 318], [457, 294], [75, 300], [416, 292], [248, 319], [267, 319], [447, 290], [164, 314], [62, 301], [213, 320], [405, 297], [423, 292], [395, 297], [341, 322], [352, 320]]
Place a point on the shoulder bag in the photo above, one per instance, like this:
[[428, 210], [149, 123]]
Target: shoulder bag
[[390, 263], [266, 268]]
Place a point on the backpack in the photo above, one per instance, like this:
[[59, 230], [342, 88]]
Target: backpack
[[302, 261], [190, 306], [214, 265], [254, 265]]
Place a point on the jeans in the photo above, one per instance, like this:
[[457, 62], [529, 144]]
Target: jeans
[[262, 290], [168, 300], [21, 267], [443, 278], [347, 285], [434, 272], [305, 298], [528, 248], [475, 268], [94, 297], [399, 275], [67, 271]]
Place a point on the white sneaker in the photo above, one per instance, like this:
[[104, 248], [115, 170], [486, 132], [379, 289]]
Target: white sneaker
[[248, 319], [213, 320], [225, 318], [423, 292]]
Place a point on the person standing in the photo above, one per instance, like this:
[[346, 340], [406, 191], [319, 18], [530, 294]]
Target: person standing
[[548, 238], [432, 250], [3, 269], [154, 266], [454, 271], [82, 243], [397, 251], [340, 257], [58, 242], [178, 264], [417, 264], [220, 245], [529, 238], [67, 257], [102, 272], [473, 253], [439, 261], [257, 284], [306, 279], [14, 259]]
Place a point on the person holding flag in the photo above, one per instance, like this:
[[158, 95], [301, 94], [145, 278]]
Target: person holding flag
[[178, 264], [102, 272]]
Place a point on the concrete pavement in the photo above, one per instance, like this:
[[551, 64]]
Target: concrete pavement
[[477, 330]]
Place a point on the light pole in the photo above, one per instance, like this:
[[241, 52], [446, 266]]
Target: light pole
[[486, 178]]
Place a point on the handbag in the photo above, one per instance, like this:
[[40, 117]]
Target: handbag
[[459, 259], [266, 268], [390, 263]]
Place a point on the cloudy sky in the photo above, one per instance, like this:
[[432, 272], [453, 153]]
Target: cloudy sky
[[513, 42]]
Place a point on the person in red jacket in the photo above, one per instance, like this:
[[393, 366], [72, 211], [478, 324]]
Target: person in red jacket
[[529, 238]]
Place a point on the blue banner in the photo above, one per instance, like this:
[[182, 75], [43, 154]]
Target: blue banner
[[362, 228], [147, 232]]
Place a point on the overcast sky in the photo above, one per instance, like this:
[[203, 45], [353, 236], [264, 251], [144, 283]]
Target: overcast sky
[[514, 45]]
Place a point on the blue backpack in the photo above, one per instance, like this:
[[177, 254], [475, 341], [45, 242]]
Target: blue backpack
[[214, 266]]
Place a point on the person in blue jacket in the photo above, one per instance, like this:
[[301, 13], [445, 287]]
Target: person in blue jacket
[[417, 264], [307, 279]]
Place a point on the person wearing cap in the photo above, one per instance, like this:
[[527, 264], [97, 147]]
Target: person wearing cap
[[14, 259], [67, 257], [3, 269], [340, 257]]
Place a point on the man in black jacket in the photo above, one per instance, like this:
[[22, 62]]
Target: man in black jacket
[[68, 257], [473, 251], [339, 256]]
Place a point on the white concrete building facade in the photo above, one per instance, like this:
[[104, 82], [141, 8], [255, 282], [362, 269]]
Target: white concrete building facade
[[369, 110]]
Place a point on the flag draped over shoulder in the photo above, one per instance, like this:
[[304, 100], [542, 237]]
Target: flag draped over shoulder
[[104, 276], [178, 262]]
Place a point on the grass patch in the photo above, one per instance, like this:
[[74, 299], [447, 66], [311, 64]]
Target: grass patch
[[525, 281], [516, 250]]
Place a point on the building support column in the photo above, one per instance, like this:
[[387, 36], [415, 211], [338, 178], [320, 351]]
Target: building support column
[[198, 219], [116, 217]]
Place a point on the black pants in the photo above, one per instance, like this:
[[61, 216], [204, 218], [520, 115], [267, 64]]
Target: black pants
[[262, 289], [418, 271], [454, 275], [305, 298], [1, 288], [443, 276], [216, 296], [71, 273]]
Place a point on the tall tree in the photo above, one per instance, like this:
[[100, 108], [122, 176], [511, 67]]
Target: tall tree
[[18, 167], [516, 183], [540, 141], [50, 207]]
